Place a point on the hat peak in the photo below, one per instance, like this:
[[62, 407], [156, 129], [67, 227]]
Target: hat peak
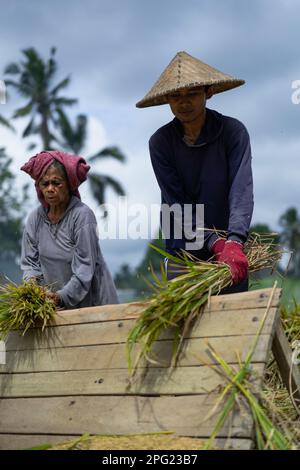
[[186, 71]]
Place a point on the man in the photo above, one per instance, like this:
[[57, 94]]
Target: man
[[203, 157]]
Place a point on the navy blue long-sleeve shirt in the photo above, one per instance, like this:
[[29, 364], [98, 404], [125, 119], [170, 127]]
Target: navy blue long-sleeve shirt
[[214, 171]]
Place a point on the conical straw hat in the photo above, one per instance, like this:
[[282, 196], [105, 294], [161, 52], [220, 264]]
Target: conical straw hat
[[185, 71]]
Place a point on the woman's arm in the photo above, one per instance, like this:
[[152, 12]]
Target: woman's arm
[[30, 259], [85, 259]]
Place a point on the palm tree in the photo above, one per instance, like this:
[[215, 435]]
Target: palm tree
[[73, 138], [12, 213], [34, 81], [290, 237]]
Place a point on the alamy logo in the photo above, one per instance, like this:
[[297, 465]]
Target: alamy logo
[[2, 353], [296, 94], [296, 352], [2, 92], [137, 221]]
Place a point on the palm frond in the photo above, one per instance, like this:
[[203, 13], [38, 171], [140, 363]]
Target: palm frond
[[63, 84], [29, 129], [65, 126], [64, 101], [51, 65], [24, 111], [97, 188], [12, 69], [6, 123], [73, 137], [31, 146], [21, 87], [111, 152]]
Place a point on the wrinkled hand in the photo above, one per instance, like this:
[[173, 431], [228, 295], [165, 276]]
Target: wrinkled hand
[[233, 255], [56, 299]]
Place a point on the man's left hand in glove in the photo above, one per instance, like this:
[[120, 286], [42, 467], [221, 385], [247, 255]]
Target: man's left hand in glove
[[233, 255]]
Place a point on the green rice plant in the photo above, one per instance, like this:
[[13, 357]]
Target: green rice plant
[[291, 321], [275, 434], [177, 302], [24, 306], [268, 432], [275, 393]]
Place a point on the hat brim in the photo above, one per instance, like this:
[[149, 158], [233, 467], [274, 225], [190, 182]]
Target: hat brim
[[162, 97]]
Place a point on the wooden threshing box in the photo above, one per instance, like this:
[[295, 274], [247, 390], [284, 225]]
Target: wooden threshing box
[[73, 378]]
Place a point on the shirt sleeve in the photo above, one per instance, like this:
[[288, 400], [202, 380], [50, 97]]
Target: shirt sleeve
[[171, 185], [30, 260], [241, 186], [83, 266]]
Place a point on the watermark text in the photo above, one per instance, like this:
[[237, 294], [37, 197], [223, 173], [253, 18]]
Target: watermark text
[[2, 92]]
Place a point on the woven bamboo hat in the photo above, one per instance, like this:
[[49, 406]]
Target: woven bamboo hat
[[185, 71]]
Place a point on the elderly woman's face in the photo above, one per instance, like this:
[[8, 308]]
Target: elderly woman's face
[[188, 105], [54, 187]]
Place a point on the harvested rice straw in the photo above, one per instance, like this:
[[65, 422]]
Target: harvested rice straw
[[272, 434], [24, 306], [177, 302]]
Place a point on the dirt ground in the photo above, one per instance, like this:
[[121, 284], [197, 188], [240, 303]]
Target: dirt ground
[[132, 442]]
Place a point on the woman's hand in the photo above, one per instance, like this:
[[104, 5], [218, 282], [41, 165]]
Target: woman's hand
[[55, 298]]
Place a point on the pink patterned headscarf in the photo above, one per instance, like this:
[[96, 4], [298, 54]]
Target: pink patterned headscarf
[[75, 166]]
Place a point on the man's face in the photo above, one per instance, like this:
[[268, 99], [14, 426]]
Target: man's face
[[188, 105]]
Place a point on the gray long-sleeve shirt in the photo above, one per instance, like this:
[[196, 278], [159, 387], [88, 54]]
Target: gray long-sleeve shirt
[[66, 256]]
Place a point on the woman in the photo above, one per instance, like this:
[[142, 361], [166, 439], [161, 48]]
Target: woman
[[60, 246]]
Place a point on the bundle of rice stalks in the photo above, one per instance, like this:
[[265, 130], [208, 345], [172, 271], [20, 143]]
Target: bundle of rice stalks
[[274, 430], [177, 302], [276, 394], [291, 322], [24, 306]]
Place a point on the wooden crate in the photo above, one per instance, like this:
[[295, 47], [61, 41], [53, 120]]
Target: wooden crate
[[73, 378]]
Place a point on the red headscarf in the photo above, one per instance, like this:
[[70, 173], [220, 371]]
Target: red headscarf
[[75, 166]]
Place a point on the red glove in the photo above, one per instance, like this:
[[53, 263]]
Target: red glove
[[233, 255], [217, 246]]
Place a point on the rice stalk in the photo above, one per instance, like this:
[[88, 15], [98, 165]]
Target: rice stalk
[[24, 306], [270, 434], [276, 397], [178, 301]]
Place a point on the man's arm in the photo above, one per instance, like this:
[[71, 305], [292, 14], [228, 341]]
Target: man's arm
[[241, 186], [170, 183]]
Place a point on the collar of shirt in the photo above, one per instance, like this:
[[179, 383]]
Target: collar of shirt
[[211, 129]]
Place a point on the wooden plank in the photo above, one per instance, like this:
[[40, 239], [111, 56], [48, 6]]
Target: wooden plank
[[183, 415], [26, 441], [244, 300], [289, 372], [210, 324], [158, 381], [98, 313], [76, 400], [113, 356]]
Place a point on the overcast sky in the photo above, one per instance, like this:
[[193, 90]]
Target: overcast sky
[[114, 51]]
